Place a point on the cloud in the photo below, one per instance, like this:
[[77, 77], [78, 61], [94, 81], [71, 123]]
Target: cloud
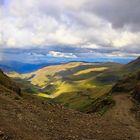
[[60, 54], [76, 28], [119, 12]]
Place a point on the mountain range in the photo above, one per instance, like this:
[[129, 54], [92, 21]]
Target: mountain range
[[110, 104], [76, 85], [21, 67]]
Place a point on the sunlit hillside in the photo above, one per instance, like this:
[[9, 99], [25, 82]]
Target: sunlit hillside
[[76, 85]]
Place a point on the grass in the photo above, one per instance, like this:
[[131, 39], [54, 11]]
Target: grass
[[64, 87], [43, 76], [74, 85], [83, 99], [91, 70], [102, 105], [8, 83], [44, 95]]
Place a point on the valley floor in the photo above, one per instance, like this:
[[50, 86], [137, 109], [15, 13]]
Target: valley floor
[[28, 118]]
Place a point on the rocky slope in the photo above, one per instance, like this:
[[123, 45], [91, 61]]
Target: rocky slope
[[36, 119]]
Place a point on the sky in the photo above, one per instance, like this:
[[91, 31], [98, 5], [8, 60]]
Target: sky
[[41, 30]]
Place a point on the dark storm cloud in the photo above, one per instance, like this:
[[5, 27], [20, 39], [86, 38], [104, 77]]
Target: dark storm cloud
[[119, 12]]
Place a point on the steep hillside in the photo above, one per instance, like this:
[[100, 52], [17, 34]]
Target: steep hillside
[[133, 66], [129, 84], [7, 83], [115, 74]]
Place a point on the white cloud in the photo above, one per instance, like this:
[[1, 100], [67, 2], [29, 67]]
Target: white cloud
[[32, 23], [60, 54], [125, 39]]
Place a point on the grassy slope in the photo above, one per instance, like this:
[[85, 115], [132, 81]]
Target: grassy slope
[[78, 85], [82, 100], [75, 85], [6, 82], [128, 83]]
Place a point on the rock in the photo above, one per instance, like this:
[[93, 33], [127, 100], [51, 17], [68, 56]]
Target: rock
[[99, 132], [1, 134], [19, 116]]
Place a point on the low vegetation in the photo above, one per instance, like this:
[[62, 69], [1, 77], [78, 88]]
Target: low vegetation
[[74, 85], [78, 85], [7, 83]]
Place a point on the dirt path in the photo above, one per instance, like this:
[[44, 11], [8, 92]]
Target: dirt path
[[32, 119], [121, 113]]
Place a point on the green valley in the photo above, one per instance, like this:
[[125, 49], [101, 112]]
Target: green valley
[[76, 85]]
